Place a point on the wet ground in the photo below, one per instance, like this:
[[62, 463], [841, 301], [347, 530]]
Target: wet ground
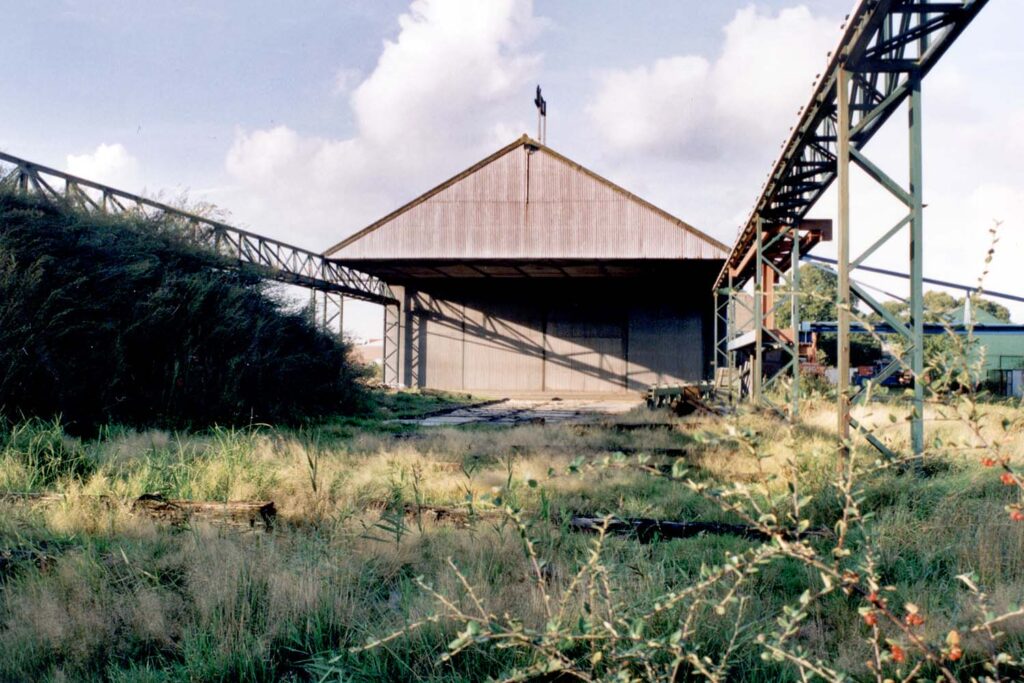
[[531, 411]]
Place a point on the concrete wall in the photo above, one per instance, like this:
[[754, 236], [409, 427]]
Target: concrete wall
[[598, 335]]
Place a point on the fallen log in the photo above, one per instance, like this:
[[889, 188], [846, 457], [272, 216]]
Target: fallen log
[[235, 513], [460, 514], [670, 451], [624, 426], [34, 497], [647, 530]]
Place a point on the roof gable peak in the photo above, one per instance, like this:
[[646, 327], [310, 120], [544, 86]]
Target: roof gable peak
[[462, 183]]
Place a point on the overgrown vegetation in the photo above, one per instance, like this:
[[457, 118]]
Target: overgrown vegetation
[[504, 586], [449, 554], [118, 319]]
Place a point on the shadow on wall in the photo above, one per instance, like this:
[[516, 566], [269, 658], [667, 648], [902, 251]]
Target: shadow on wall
[[546, 344]]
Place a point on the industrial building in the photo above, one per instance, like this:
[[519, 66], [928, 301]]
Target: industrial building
[[527, 273]]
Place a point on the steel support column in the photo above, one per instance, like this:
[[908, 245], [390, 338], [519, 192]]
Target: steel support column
[[843, 258], [912, 330], [769, 276], [328, 312], [720, 365], [725, 332], [757, 373], [392, 345], [916, 267], [794, 319], [730, 334]]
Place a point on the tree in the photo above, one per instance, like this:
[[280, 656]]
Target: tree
[[817, 296], [818, 291], [997, 311]]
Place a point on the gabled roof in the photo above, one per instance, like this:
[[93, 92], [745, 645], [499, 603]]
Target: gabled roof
[[978, 316], [527, 201]]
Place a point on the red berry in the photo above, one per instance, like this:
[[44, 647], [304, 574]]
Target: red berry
[[914, 619]]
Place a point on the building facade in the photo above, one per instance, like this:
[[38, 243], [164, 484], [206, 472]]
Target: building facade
[[528, 273]]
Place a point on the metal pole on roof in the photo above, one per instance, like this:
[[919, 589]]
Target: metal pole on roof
[[843, 258]]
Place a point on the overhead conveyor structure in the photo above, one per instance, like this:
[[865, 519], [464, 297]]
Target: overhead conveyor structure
[[328, 281], [886, 50]]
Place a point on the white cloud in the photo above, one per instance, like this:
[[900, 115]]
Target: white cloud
[[108, 164], [688, 105], [451, 59], [346, 78], [437, 99]]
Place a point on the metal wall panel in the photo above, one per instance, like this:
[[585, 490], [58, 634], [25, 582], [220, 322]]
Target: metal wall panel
[[600, 335], [529, 202], [436, 343], [666, 345], [503, 350], [585, 349]]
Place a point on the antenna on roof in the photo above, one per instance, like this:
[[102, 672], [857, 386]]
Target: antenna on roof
[[542, 117]]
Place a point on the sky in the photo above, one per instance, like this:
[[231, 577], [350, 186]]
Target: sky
[[306, 121]]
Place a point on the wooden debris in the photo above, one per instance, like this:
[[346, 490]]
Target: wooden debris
[[624, 426], [234, 513], [671, 451], [33, 497], [683, 399], [646, 530], [460, 515]]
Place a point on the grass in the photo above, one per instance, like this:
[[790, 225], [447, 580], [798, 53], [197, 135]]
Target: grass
[[115, 596]]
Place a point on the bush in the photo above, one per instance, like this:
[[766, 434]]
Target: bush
[[117, 318]]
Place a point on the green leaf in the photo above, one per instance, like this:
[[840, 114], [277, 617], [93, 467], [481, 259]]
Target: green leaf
[[679, 469]]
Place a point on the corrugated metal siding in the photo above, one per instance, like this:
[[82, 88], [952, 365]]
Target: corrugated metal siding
[[664, 347], [503, 348], [529, 203], [436, 342], [627, 338], [585, 350]]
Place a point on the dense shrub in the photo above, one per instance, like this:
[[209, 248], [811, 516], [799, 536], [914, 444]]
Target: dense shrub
[[107, 318]]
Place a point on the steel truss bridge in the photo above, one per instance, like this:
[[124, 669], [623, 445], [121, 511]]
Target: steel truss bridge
[[328, 281], [886, 50]]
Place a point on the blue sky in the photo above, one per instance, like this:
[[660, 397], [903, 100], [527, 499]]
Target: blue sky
[[308, 120]]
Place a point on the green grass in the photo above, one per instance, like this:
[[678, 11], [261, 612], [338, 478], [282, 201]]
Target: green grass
[[120, 597]]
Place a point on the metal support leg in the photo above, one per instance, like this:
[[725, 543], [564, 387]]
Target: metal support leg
[[794, 317], [755, 380], [327, 311], [717, 344], [916, 268], [730, 333], [392, 341], [843, 258]]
